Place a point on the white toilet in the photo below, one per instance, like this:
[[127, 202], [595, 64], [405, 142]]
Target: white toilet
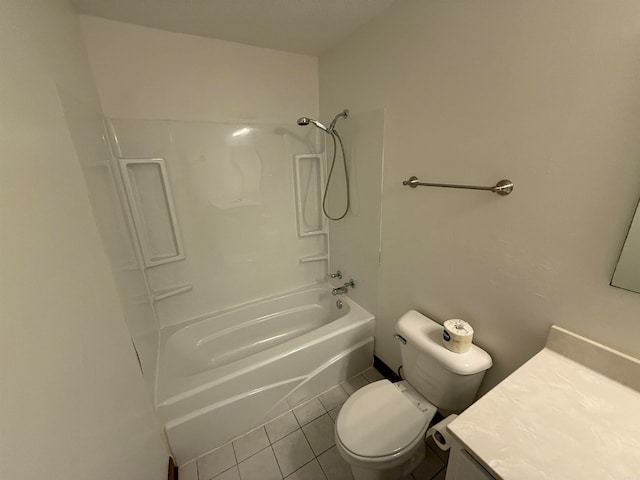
[[380, 430]]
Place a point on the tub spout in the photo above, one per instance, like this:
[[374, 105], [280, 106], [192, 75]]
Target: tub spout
[[344, 288]]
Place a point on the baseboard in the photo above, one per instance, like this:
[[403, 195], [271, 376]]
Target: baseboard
[[385, 370]]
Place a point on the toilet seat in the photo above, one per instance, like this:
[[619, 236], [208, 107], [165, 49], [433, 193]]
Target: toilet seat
[[383, 421]]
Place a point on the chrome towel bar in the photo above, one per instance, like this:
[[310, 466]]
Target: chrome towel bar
[[503, 187]]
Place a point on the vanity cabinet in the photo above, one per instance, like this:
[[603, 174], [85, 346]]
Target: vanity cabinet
[[463, 466], [571, 412]]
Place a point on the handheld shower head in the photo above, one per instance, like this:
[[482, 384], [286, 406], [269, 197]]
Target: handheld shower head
[[335, 137], [303, 121]]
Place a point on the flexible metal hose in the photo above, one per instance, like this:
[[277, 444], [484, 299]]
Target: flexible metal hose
[[334, 133]]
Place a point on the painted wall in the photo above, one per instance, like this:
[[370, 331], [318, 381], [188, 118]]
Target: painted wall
[[147, 73], [544, 93], [354, 241], [74, 404]]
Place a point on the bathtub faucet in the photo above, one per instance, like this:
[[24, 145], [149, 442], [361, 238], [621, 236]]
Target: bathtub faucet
[[344, 288]]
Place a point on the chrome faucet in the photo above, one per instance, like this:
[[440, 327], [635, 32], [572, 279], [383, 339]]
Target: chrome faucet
[[344, 288]]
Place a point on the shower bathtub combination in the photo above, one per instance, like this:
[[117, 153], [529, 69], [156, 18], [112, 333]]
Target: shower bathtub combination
[[222, 375], [210, 201]]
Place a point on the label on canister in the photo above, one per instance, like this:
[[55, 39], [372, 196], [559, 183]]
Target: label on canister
[[457, 335]]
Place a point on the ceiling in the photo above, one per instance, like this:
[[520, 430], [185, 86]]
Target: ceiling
[[302, 26]]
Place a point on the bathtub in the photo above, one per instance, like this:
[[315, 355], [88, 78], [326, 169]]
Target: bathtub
[[224, 374]]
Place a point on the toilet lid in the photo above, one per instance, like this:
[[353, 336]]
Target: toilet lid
[[378, 420]]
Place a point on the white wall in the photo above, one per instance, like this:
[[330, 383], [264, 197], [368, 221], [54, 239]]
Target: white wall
[[74, 404], [544, 93], [147, 73], [354, 241]]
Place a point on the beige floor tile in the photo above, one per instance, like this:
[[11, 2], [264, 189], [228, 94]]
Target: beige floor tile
[[292, 452], [216, 462], [334, 413], [311, 471], [261, 466], [372, 375], [281, 427], [250, 443], [309, 411], [320, 433], [334, 397], [354, 383], [334, 466], [232, 474]]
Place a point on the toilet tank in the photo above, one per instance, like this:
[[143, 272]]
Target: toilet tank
[[448, 380]]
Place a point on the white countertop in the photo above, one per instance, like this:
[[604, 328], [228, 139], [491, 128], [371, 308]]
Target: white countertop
[[554, 418]]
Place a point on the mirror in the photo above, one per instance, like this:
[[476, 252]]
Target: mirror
[[627, 273]]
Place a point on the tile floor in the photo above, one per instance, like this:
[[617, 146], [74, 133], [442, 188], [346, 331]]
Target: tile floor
[[298, 445]]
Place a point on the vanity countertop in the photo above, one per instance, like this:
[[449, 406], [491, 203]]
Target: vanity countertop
[[555, 418]]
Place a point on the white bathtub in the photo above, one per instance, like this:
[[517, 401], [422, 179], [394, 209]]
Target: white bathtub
[[224, 374]]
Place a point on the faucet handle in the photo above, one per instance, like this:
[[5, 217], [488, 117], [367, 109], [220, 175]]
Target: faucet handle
[[338, 274]]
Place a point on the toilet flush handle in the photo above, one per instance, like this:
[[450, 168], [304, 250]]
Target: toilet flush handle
[[401, 338]]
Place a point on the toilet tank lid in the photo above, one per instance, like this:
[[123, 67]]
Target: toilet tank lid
[[426, 335]]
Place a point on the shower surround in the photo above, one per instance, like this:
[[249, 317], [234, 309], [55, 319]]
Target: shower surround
[[232, 187], [228, 221]]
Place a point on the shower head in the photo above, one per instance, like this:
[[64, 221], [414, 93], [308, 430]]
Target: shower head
[[302, 121]]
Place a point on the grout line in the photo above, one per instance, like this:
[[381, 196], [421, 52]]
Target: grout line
[[256, 453], [289, 434], [308, 442], [322, 469], [233, 448], [224, 471], [277, 463], [328, 448], [302, 466], [296, 418]]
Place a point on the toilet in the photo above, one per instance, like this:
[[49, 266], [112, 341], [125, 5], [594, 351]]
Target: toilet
[[380, 430]]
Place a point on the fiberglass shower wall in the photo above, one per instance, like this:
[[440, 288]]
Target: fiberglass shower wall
[[234, 204], [86, 126]]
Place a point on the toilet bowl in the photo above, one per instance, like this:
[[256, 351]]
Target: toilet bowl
[[380, 430]]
